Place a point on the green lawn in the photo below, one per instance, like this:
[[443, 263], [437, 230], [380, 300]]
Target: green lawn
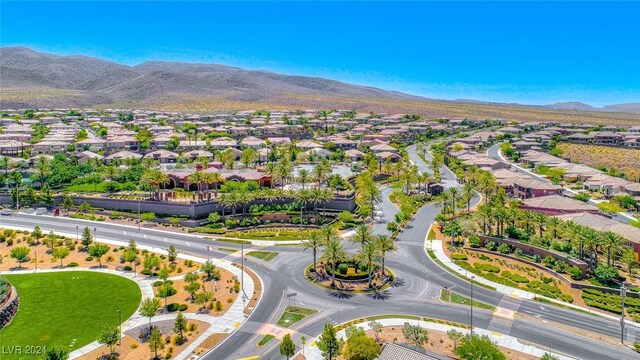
[[265, 340], [462, 300], [67, 309], [293, 314], [87, 187], [264, 255]]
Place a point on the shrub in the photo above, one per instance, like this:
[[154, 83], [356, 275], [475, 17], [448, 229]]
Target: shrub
[[515, 277], [127, 268], [574, 272], [89, 258], [491, 246], [173, 307], [9, 242], [504, 249], [459, 257], [72, 264], [146, 272], [486, 267], [182, 307], [474, 241], [342, 268], [537, 258]]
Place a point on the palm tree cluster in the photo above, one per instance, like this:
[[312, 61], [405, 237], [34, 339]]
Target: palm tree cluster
[[504, 218], [373, 249]]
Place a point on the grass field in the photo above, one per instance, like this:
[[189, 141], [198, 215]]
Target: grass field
[[462, 300], [264, 255], [293, 314], [87, 187], [265, 340], [67, 309]]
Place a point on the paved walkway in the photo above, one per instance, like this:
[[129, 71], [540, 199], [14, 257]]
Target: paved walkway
[[313, 353], [228, 323]]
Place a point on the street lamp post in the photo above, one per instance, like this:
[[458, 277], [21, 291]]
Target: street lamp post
[[623, 292], [77, 233], [472, 277], [139, 218], [120, 325]]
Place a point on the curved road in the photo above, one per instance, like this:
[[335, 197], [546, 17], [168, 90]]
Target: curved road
[[416, 291]]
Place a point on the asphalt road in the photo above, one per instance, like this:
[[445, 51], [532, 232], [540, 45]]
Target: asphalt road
[[416, 292]]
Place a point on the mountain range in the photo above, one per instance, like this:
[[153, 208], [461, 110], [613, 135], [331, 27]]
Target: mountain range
[[34, 79]]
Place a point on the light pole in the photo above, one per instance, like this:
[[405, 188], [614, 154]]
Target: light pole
[[472, 277], [623, 292], [94, 233], [139, 218], [120, 325], [77, 233], [37, 262]]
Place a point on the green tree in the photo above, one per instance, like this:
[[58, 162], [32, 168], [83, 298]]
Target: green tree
[[130, 256], [606, 274], [415, 334], [359, 346], [172, 253], [455, 336], [97, 251], [20, 253], [476, 347], [367, 255], [179, 327], [60, 253], [165, 291], [37, 233], [156, 342], [328, 343], [630, 259], [314, 243], [209, 268], [149, 307], [548, 356], [287, 347], [109, 337], [87, 238], [385, 244], [334, 253], [452, 229], [57, 353]]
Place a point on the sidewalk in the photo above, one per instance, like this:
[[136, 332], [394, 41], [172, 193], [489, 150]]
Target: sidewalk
[[228, 323], [313, 353], [436, 247]]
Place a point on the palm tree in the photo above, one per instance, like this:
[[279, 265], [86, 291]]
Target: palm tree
[[303, 196], [363, 234], [485, 215], [553, 224], [303, 177], [573, 233], [385, 244], [334, 253], [540, 219], [315, 197], [314, 243], [196, 178], [454, 194], [468, 190], [231, 200], [611, 244], [527, 219], [244, 198], [325, 196], [591, 241], [321, 171], [486, 184], [154, 178], [214, 178], [629, 258], [500, 214], [367, 254]]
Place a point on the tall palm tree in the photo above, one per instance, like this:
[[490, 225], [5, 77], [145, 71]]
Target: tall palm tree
[[303, 177], [486, 184], [485, 214], [303, 196], [572, 232], [591, 241], [454, 197], [540, 219], [196, 178], [334, 253], [325, 196], [500, 214], [553, 224], [314, 243], [315, 197], [468, 191], [611, 244], [244, 198], [527, 220], [214, 178], [154, 179], [363, 234], [367, 255], [385, 244]]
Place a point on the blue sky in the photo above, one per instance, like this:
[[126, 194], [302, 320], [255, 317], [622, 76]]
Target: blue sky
[[527, 52]]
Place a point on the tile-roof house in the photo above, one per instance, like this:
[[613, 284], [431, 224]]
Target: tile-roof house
[[396, 351], [164, 156], [525, 188], [557, 204]]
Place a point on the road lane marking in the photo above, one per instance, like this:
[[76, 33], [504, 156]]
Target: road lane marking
[[187, 243], [165, 239]]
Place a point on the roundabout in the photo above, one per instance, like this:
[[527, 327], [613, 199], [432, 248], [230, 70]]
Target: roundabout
[[349, 277]]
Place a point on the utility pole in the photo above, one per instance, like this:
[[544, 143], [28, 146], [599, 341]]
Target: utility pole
[[472, 277], [139, 218], [120, 324], [623, 292]]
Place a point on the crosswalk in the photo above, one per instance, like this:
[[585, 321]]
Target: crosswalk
[[502, 318]]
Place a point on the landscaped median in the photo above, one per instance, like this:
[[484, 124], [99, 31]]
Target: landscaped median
[[441, 337]]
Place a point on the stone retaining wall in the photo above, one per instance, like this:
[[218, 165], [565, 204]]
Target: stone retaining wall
[[9, 308]]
